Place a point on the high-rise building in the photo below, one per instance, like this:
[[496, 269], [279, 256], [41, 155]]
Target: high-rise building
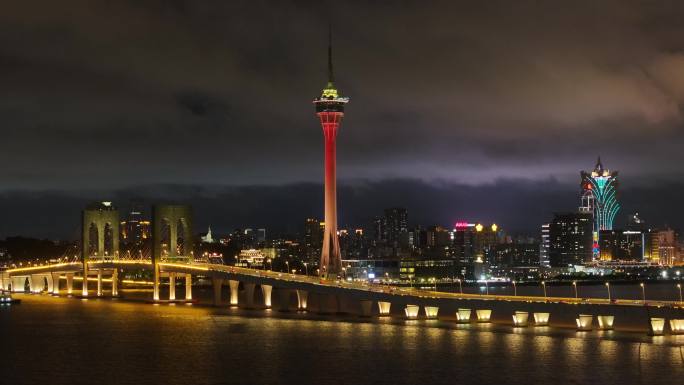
[[330, 111], [570, 239], [544, 245], [395, 225], [599, 190], [663, 246]]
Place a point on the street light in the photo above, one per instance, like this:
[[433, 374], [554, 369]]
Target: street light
[[608, 288], [679, 286], [515, 289], [306, 268], [487, 287], [643, 292], [544, 286], [574, 285], [287, 264], [460, 285]]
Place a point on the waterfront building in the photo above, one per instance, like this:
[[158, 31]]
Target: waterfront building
[[571, 238]]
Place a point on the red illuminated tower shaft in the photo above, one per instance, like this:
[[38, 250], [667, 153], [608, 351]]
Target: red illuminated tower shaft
[[331, 260], [330, 110]]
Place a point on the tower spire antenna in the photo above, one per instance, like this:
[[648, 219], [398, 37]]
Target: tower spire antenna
[[331, 77]]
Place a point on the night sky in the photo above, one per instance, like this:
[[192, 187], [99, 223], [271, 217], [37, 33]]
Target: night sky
[[459, 110]]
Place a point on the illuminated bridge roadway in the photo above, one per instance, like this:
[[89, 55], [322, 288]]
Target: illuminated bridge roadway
[[302, 292]]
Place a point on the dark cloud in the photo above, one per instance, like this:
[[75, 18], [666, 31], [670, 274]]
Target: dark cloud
[[519, 206], [105, 95]]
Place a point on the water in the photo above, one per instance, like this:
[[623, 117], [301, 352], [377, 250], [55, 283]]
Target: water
[[48, 340]]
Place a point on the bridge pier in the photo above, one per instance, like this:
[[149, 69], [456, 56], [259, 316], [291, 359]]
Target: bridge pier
[[37, 283], [249, 294], [70, 283], [99, 283], [217, 283], [188, 287], [302, 298], [284, 299], [266, 291], [18, 284], [234, 285], [366, 308], [55, 283], [328, 304], [155, 281], [84, 289], [172, 286], [384, 308], [115, 283]]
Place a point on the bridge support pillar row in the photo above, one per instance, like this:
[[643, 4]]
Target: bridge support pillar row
[[302, 297], [55, 283], [115, 283], [99, 283], [266, 290], [172, 286], [217, 283], [188, 287], [249, 294], [70, 283], [234, 285]]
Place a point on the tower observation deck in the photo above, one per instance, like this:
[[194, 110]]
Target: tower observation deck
[[330, 111]]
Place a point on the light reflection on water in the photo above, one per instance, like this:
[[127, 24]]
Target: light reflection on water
[[60, 341]]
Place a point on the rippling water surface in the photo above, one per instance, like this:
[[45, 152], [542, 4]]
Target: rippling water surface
[[48, 340]]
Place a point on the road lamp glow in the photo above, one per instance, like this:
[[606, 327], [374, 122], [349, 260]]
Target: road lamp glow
[[643, 292], [460, 285], [608, 289], [306, 268], [544, 287], [515, 289], [574, 285]]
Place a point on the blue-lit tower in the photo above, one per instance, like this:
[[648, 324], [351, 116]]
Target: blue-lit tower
[[599, 197]]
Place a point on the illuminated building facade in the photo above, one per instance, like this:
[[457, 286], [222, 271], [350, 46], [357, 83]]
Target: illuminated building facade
[[330, 111], [599, 197]]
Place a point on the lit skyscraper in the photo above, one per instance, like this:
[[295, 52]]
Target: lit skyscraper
[[599, 197], [330, 110]]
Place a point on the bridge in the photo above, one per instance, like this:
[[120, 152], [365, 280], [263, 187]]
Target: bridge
[[290, 292]]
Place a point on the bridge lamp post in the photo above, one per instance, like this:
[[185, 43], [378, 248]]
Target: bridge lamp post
[[515, 289], [574, 285], [460, 285], [679, 286], [486, 287], [544, 287], [287, 264], [608, 288], [306, 268], [643, 292]]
